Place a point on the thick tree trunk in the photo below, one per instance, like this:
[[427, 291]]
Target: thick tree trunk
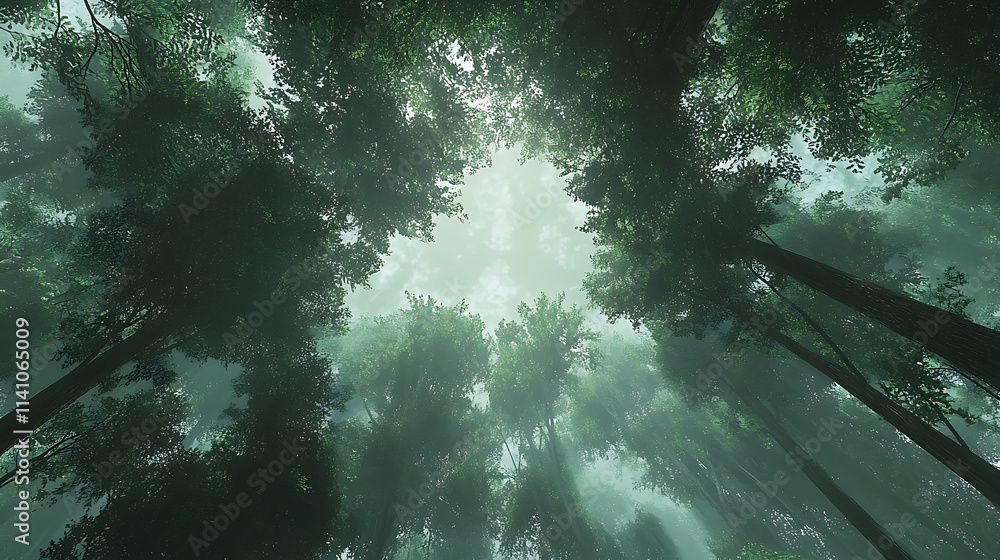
[[855, 514], [837, 544], [689, 20], [972, 468], [865, 475], [677, 43], [70, 387], [964, 344]]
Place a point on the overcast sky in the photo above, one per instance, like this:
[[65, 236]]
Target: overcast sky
[[520, 239]]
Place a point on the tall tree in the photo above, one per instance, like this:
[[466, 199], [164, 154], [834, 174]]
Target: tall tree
[[264, 477], [534, 368], [421, 458], [323, 231]]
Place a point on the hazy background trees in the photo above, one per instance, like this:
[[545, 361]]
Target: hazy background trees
[[781, 197]]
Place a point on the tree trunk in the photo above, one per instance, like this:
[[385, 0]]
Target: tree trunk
[[383, 533], [754, 530], [864, 474], [70, 387], [688, 20], [972, 468], [855, 514], [677, 43], [581, 529], [967, 345], [840, 548]]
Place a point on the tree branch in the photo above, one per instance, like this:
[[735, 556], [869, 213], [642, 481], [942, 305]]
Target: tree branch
[[954, 110], [919, 90], [819, 329], [952, 428]]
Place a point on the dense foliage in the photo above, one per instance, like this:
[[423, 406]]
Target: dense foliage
[[193, 189]]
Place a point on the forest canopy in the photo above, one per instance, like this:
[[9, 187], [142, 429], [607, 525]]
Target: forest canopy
[[213, 215]]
